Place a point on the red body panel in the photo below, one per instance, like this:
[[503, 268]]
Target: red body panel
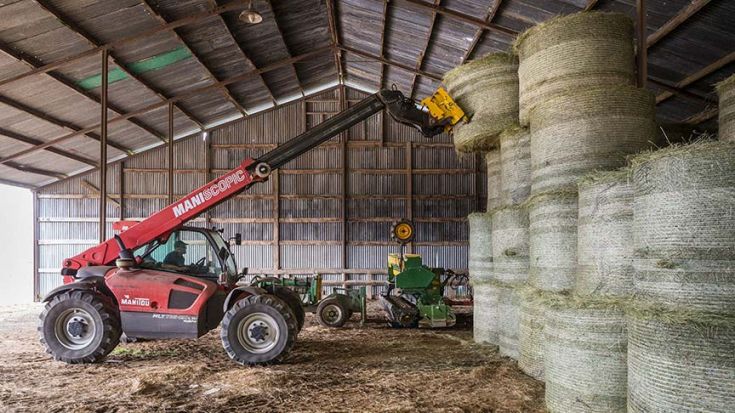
[[165, 221]]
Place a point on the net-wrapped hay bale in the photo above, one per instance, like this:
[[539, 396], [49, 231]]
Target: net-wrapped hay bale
[[553, 240], [604, 234], [487, 91], [515, 158], [591, 129], [531, 335], [684, 226], [494, 179], [508, 308], [510, 245], [572, 53], [726, 92], [480, 262], [680, 364], [585, 361], [485, 313]]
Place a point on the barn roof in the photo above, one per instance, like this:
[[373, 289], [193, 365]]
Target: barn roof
[[197, 56]]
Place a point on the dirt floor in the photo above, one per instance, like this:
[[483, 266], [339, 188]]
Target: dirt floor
[[369, 368]]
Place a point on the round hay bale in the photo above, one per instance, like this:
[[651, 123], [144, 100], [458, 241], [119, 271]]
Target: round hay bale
[[510, 245], [494, 180], [485, 313], [676, 365], [604, 232], [515, 158], [726, 92], [593, 129], [487, 90], [553, 240], [480, 262], [572, 53], [508, 303], [585, 359], [684, 226], [531, 336]]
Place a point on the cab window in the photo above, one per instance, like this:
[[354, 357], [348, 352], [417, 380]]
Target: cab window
[[185, 251]]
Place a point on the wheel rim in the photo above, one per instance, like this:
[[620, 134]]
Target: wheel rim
[[331, 313], [74, 328], [258, 333]]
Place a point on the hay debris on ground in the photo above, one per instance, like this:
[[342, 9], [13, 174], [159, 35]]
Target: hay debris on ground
[[573, 52], [487, 90], [683, 226]]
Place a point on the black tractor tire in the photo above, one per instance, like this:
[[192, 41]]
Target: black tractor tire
[[258, 315], [293, 300], [71, 315], [332, 313]]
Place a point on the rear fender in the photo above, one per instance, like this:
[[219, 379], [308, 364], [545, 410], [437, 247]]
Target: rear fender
[[241, 292], [93, 284]]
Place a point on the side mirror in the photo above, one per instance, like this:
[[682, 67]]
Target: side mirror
[[236, 240]]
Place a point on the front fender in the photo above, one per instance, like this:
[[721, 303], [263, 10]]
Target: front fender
[[236, 292], [94, 283]]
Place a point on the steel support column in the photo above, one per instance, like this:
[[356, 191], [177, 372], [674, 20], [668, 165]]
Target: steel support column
[[170, 152], [103, 146]]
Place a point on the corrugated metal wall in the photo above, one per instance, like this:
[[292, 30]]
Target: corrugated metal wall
[[328, 211]]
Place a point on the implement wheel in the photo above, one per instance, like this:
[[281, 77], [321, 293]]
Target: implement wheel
[[332, 313], [79, 327], [260, 329]]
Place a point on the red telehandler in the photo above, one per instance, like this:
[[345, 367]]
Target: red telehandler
[[141, 284]]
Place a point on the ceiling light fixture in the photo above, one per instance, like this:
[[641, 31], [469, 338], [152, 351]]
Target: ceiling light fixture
[[250, 16]]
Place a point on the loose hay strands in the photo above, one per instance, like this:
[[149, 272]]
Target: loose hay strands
[[677, 365], [487, 90], [485, 313], [481, 249], [726, 92], [510, 245], [588, 130], [585, 357], [604, 234], [553, 240], [508, 309], [494, 180], [515, 158], [573, 52], [531, 335], [684, 227]]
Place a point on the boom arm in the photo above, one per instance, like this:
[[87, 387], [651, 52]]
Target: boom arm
[[250, 171]]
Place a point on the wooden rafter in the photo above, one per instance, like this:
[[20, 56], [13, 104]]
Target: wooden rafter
[[18, 184], [93, 42], [36, 171], [32, 62], [285, 45], [491, 12], [388, 62], [701, 117], [194, 18], [590, 5], [424, 49], [676, 21], [700, 74], [334, 33], [33, 141], [461, 17], [673, 89], [58, 122], [382, 42], [225, 91], [184, 95]]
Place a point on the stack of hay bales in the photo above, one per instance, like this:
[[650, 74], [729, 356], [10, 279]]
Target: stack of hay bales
[[515, 160], [576, 78], [485, 293], [487, 90], [585, 335], [726, 92], [682, 327]]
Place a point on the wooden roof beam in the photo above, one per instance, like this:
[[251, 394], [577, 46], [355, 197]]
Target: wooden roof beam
[[425, 48], [285, 45], [58, 122], [63, 19], [36, 171], [33, 141], [701, 117], [489, 16], [194, 18], [32, 62], [590, 5], [676, 21], [177, 98], [385, 61], [700, 74], [18, 184], [382, 42], [462, 17], [225, 91], [334, 33]]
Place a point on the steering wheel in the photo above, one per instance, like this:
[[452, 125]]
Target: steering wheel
[[199, 265]]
